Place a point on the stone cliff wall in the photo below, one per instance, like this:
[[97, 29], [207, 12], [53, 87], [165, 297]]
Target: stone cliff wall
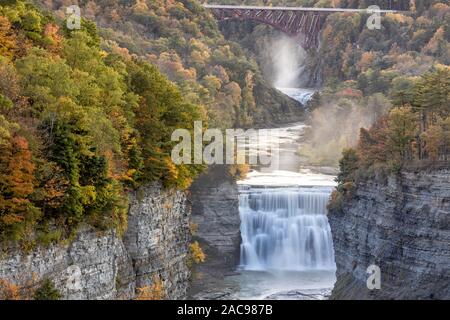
[[158, 238], [402, 224], [100, 265], [215, 210]]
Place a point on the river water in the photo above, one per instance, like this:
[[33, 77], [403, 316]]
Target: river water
[[286, 250]]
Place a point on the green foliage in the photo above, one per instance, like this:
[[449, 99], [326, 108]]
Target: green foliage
[[336, 202], [47, 291], [88, 28], [24, 15], [48, 237], [79, 129], [348, 165], [183, 40], [5, 103], [402, 91], [401, 131], [431, 93]]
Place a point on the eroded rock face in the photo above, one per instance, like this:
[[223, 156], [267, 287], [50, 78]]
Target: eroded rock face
[[158, 238], [215, 210], [85, 269], [100, 265], [401, 224]]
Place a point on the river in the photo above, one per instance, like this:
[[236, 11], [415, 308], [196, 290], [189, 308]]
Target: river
[[286, 250]]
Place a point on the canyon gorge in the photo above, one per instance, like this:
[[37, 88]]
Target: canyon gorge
[[94, 207]]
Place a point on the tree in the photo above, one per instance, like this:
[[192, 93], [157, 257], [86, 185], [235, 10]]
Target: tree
[[17, 183], [402, 91], [90, 124], [9, 80], [45, 78], [8, 40], [433, 139], [212, 83], [248, 104], [366, 62], [372, 143], [432, 94], [401, 132], [431, 99], [348, 165]]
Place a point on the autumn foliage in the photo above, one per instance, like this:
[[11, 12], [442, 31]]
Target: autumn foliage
[[408, 135], [9, 291], [196, 253], [17, 182], [80, 127], [155, 291]]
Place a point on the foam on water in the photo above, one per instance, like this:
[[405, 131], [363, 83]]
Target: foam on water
[[285, 229]]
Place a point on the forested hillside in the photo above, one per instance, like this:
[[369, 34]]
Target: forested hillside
[[79, 128], [364, 73], [183, 40], [397, 79], [368, 72]]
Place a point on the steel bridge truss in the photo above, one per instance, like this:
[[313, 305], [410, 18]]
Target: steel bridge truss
[[305, 25]]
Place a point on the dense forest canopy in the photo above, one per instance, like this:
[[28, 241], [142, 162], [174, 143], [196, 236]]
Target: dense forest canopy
[[80, 126], [182, 39]]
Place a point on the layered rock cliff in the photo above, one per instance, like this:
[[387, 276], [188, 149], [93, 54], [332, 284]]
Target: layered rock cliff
[[101, 265], [215, 210], [402, 224]]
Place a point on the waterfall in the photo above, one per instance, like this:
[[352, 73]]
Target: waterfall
[[285, 228], [301, 95]]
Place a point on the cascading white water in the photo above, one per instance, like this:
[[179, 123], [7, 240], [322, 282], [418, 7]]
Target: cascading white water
[[285, 228], [301, 95]]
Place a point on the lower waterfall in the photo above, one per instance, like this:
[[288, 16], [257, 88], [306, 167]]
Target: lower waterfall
[[285, 228]]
